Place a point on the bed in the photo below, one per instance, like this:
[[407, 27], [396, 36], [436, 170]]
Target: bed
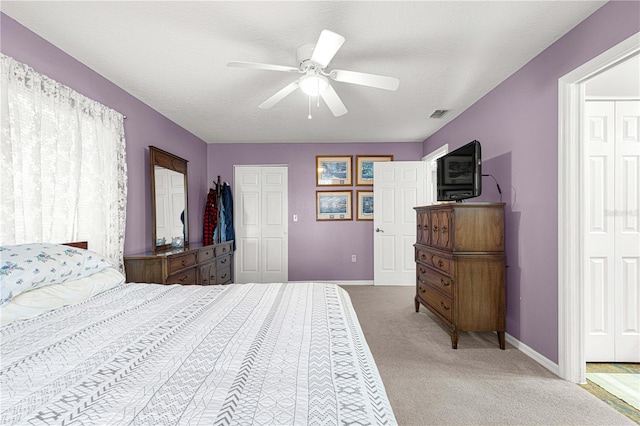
[[276, 354]]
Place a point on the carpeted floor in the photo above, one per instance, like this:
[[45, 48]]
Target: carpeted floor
[[428, 383]]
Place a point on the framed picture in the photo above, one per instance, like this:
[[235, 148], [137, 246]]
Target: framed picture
[[334, 170], [364, 168], [334, 205], [365, 205]]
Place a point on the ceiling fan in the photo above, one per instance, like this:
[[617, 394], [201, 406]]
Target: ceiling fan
[[312, 63]]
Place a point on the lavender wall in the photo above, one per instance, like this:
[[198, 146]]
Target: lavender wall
[[517, 124], [143, 127], [317, 250]]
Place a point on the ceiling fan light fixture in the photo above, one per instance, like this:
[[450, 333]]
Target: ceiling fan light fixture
[[313, 84]]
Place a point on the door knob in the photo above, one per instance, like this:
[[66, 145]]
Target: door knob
[[379, 230]]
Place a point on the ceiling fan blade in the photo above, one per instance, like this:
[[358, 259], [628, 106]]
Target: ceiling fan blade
[[258, 66], [280, 95], [333, 101], [326, 47], [364, 79]]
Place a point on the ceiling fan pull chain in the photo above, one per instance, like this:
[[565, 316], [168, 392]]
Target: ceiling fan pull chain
[[309, 117]]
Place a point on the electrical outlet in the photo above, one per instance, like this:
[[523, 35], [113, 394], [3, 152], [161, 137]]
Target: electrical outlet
[[353, 258], [295, 217]]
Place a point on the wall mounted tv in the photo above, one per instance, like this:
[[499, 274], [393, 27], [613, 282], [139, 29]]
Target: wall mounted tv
[[460, 173]]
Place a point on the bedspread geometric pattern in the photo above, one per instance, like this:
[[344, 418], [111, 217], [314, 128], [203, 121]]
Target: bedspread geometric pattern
[[242, 354]]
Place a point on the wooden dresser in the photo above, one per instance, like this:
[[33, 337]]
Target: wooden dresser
[[460, 266], [195, 264]]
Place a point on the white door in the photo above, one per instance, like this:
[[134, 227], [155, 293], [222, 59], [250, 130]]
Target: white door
[[398, 187], [612, 231], [261, 224]]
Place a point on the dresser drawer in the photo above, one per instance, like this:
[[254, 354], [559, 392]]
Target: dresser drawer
[[442, 263], [187, 276], [223, 276], [177, 262], [431, 277], [223, 262], [206, 254], [436, 260], [223, 248], [441, 303]]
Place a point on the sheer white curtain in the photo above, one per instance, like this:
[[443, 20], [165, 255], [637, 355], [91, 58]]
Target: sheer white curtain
[[63, 174]]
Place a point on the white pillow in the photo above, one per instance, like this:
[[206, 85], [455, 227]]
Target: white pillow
[[41, 300], [28, 266]]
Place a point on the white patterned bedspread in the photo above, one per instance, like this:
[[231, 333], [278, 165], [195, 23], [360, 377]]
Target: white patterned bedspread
[[151, 354]]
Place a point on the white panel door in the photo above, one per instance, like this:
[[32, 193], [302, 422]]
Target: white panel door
[[611, 230], [627, 230], [398, 187], [261, 226], [275, 249]]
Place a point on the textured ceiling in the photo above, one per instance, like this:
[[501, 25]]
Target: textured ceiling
[[172, 55]]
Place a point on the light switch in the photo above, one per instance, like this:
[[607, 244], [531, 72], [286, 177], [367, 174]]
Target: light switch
[[295, 217]]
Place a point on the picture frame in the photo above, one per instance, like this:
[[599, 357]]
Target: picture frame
[[364, 168], [334, 205], [334, 170], [364, 202]]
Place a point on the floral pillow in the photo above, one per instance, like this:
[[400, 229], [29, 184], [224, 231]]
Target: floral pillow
[[27, 266]]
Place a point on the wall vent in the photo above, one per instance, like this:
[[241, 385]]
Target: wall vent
[[439, 113]]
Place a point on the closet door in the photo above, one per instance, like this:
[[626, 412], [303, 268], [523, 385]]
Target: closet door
[[627, 231], [261, 225], [612, 231]]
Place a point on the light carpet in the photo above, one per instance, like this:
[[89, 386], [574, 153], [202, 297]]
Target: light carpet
[[428, 383], [624, 386]]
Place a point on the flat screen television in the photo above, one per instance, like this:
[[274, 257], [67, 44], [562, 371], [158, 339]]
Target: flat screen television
[[460, 173]]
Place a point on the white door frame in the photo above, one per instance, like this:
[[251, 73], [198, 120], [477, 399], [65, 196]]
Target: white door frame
[[571, 94], [430, 197]]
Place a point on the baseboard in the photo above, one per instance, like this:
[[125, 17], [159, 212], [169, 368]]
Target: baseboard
[[341, 282], [537, 357]]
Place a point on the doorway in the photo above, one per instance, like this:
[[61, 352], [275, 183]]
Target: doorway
[[571, 297], [611, 226], [261, 224], [398, 187]]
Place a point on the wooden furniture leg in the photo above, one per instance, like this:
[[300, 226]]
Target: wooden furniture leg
[[454, 339], [501, 339]]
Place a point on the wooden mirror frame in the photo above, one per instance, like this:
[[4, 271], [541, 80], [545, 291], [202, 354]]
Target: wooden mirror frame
[[158, 157]]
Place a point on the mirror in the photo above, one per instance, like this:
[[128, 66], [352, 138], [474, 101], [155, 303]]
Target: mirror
[[169, 207]]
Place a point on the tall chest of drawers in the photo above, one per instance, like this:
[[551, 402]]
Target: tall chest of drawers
[[196, 264], [460, 266]]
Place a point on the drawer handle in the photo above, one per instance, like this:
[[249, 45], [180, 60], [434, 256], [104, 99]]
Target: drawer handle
[[440, 263], [435, 228], [224, 276], [422, 290], [223, 261], [444, 283], [184, 278], [425, 227], [444, 229], [418, 226], [224, 249], [445, 307], [422, 270], [423, 256], [184, 262]]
